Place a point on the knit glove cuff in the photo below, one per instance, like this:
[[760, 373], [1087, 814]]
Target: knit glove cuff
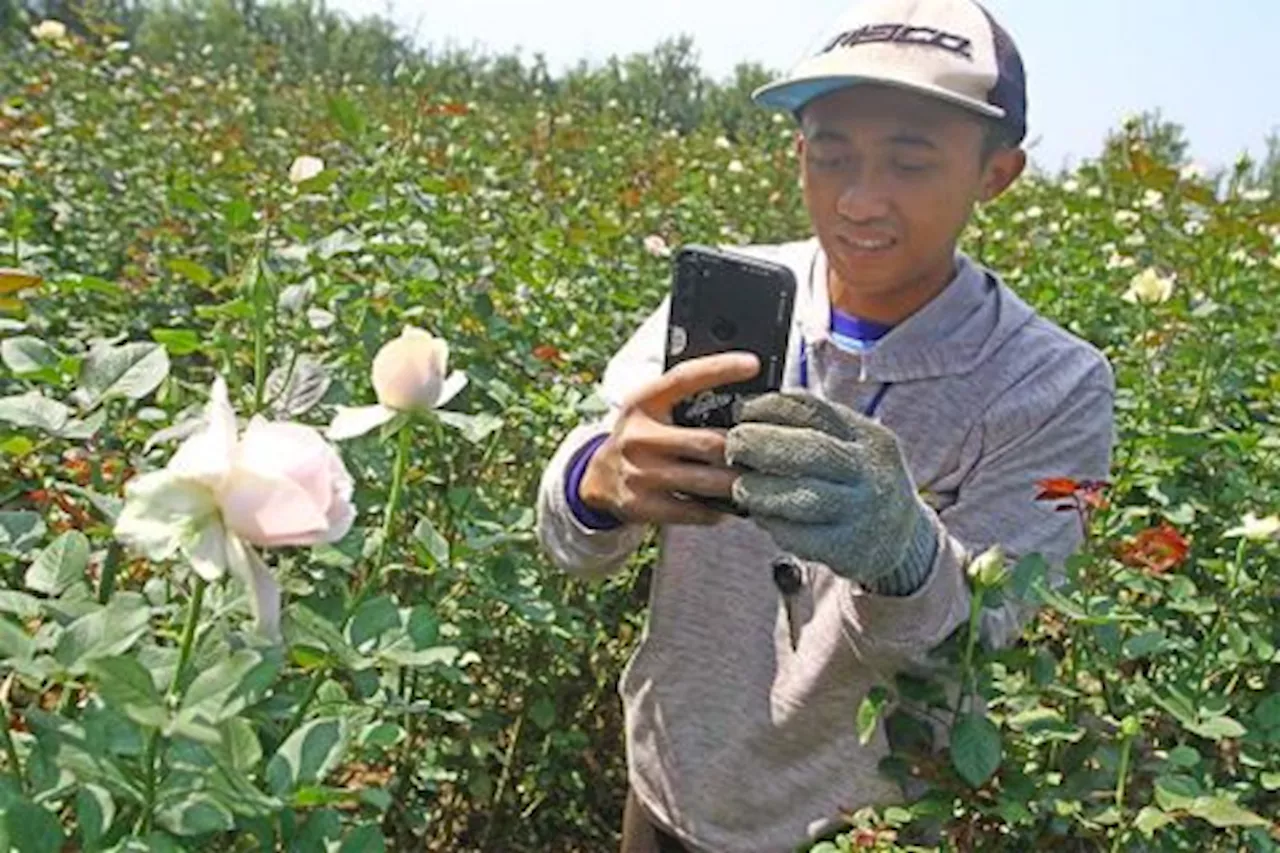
[[917, 561]]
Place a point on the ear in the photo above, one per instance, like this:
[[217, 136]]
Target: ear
[[799, 144], [1002, 169]]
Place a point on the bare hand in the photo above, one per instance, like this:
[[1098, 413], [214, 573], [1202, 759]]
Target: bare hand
[[634, 474]]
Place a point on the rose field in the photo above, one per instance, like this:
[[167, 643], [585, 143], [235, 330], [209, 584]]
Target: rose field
[[289, 333]]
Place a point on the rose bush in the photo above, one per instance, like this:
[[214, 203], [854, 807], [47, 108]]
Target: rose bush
[[436, 685]]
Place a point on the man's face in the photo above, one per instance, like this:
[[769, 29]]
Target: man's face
[[890, 178]]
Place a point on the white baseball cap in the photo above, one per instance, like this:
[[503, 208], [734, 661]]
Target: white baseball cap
[[949, 49]]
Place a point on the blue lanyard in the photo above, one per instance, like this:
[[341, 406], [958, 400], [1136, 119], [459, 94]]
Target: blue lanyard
[[872, 407]]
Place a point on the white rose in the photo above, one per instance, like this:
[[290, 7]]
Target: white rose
[[278, 484], [305, 168], [409, 375], [49, 31], [656, 246], [1258, 529], [1148, 288]]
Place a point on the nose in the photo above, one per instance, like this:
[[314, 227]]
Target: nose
[[863, 198]]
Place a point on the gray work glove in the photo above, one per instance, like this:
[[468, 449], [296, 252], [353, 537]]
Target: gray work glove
[[831, 485]]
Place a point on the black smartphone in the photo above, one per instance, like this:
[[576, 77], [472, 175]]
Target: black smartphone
[[724, 301]]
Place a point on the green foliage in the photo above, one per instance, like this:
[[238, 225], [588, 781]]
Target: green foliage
[[440, 686]]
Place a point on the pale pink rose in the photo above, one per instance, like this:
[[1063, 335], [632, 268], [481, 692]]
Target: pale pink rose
[[656, 246], [279, 484], [410, 374], [287, 486]]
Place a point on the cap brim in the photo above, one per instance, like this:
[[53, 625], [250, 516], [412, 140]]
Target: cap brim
[[793, 93]]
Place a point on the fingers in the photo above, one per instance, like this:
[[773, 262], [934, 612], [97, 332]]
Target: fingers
[[789, 451], [690, 377], [673, 442], [805, 500], [799, 409], [666, 509], [692, 479]]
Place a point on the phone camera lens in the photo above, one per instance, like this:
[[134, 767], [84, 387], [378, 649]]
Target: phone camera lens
[[723, 329]]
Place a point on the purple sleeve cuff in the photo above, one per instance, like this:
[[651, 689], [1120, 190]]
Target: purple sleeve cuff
[[577, 470]]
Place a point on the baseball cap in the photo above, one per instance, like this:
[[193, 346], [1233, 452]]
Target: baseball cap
[[949, 49]]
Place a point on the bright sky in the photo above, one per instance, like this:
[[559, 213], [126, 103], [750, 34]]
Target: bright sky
[[1212, 67]]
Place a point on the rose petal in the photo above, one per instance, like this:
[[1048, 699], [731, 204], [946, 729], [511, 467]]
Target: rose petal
[[452, 387], [264, 592], [207, 455], [342, 512], [207, 551], [354, 421], [288, 451], [271, 511], [408, 371], [161, 510]]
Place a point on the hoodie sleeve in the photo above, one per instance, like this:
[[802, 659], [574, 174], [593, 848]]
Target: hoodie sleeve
[[1049, 435], [574, 547]]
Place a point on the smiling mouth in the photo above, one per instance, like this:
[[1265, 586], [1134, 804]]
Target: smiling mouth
[[866, 244]]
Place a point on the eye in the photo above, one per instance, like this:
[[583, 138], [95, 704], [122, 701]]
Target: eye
[[829, 161], [912, 168]]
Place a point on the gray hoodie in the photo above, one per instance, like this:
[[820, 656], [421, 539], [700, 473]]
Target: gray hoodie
[[735, 742]]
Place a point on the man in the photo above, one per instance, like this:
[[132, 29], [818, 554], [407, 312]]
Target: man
[[923, 400]]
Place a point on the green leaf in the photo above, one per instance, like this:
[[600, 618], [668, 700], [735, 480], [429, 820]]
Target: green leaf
[[297, 391], [95, 811], [348, 116], [33, 410], [474, 428], [381, 735], [61, 564], [373, 619], [1174, 792], [196, 814], [364, 839], [1270, 781], [15, 645], [1184, 756], [32, 828], [869, 711], [208, 694], [105, 632], [975, 749], [237, 214], [192, 270], [26, 354], [1144, 644], [131, 370], [308, 755], [1267, 714], [20, 604], [1028, 571], [543, 713], [177, 341], [20, 531], [438, 655], [240, 744], [1217, 728], [339, 242], [1151, 819], [125, 685], [1222, 813], [437, 546]]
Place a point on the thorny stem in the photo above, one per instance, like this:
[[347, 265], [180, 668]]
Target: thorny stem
[[966, 674], [404, 444], [175, 685], [1219, 618]]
